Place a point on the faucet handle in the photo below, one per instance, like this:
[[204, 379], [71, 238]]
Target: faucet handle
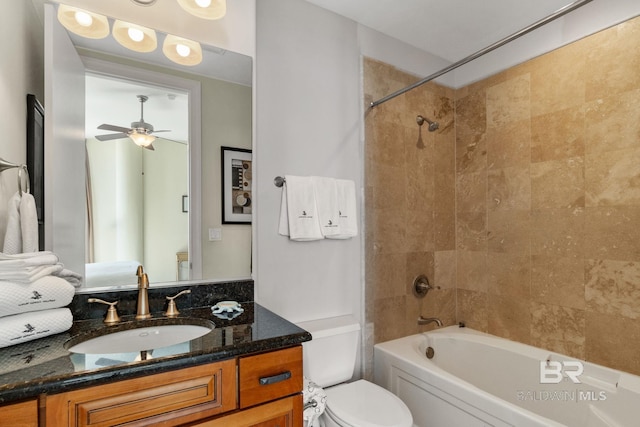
[[139, 271], [172, 310], [112, 314]]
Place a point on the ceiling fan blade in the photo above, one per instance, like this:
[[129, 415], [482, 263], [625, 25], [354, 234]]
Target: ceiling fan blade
[[114, 128], [111, 136], [163, 130]]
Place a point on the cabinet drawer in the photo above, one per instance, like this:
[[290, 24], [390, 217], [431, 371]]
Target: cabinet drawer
[[185, 395], [269, 376]]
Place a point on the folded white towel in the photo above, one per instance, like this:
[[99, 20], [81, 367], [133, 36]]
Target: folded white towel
[[29, 267], [298, 211], [30, 259], [13, 234], [45, 293], [28, 223], [325, 192], [25, 327]]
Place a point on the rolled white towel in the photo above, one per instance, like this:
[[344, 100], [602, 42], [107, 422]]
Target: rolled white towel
[[311, 393], [45, 293], [25, 327]]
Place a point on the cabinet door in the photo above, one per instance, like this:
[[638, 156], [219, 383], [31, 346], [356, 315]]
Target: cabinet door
[[23, 414], [285, 412], [168, 398]]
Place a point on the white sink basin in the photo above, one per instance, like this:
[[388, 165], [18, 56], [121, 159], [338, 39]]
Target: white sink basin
[[139, 339]]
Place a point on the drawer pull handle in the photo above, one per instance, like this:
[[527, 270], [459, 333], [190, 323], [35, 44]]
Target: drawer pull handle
[[275, 378]]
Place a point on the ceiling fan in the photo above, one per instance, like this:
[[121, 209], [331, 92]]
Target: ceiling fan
[[140, 132]]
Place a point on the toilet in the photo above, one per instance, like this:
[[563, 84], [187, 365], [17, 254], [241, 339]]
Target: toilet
[[329, 361]]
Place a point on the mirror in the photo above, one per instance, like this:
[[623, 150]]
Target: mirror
[[177, 187]]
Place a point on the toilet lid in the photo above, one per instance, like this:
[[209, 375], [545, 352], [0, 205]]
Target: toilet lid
[[365, 404]]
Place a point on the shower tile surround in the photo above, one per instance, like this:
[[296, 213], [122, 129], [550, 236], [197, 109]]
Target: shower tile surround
[[524, 207]]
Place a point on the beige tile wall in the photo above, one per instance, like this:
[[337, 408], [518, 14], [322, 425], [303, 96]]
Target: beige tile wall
[[524, 207]]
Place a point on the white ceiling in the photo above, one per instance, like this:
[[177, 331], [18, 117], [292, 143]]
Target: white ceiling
[[450, 29]]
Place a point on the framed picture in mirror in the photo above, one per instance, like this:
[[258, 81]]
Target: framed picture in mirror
[[237, 173]]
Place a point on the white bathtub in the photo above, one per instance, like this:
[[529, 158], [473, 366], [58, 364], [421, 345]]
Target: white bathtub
[[476, 379]]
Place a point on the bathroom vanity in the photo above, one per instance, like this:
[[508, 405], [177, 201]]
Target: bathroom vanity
[[247, 371]]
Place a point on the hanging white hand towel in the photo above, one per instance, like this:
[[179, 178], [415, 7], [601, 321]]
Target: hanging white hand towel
[[301, 210], [13, 235], [327, 202], [28, 223], [347, 215], [25, 327]]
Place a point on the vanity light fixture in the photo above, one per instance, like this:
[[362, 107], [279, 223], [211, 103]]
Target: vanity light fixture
[[83, 23], [182, 51], [135, 37], [206, 9]]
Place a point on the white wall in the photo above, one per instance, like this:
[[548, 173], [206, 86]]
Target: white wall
[[21, 72], [307, 123]]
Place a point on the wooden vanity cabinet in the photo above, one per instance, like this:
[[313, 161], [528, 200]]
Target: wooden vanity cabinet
[[169, 398], [261, 390], [23, 414]]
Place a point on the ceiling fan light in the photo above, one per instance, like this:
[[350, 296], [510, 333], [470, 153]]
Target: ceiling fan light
[[141, 139], [206, 9], [83, 23], [135, 37], [182, 51]]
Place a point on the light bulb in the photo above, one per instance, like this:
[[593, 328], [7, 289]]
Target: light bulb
[[83, 18], [135, 34], [203, 3], [183, 50]]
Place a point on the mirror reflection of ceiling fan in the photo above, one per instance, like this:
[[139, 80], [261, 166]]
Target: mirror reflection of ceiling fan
[[140, 132]]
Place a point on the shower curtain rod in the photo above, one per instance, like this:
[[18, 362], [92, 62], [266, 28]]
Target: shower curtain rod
[[557, 14]]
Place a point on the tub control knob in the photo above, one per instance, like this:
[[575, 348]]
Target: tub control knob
[[421, 286]]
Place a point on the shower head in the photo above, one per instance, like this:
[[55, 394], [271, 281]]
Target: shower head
[[433, 126]]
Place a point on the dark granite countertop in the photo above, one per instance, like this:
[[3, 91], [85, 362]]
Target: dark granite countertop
[[45, 366]]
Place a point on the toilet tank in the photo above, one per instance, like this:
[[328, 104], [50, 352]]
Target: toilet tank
[[330, 357]]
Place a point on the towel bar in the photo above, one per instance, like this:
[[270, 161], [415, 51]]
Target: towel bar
[[279, 181], [5, 165]]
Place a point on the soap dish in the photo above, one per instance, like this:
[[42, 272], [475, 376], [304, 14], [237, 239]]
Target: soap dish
[[227, 310]]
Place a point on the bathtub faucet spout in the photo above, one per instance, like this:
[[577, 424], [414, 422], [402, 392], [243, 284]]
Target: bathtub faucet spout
[[427, 320]]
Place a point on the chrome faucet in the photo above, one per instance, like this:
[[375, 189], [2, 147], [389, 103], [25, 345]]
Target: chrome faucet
[[427, 320], [143, 296]]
